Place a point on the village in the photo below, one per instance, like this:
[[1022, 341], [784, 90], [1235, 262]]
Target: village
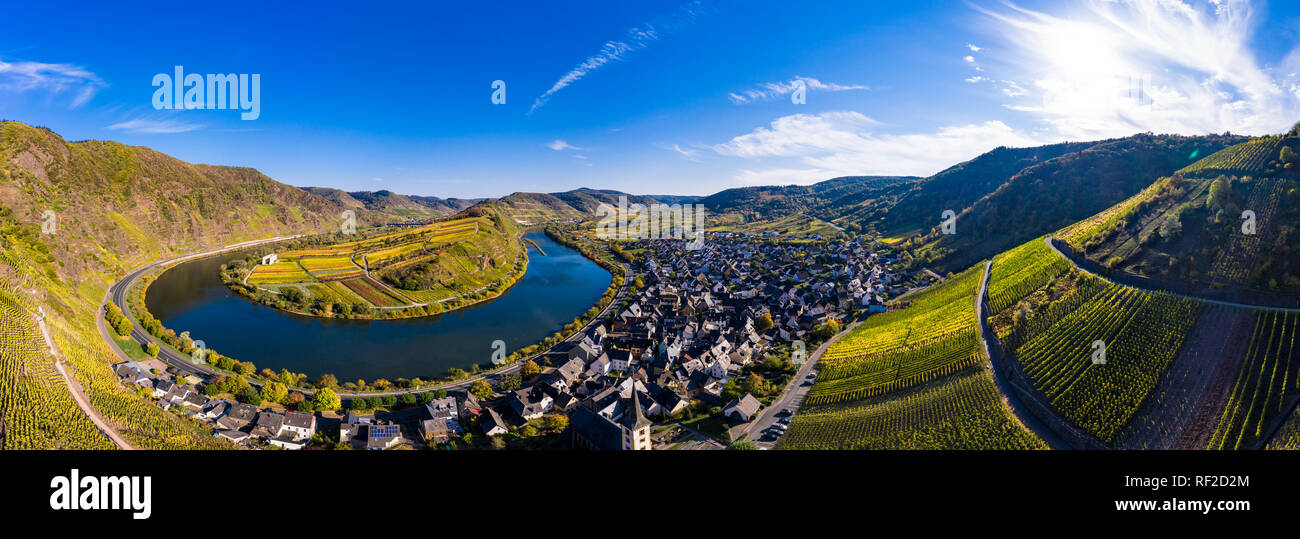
[[705, 340]]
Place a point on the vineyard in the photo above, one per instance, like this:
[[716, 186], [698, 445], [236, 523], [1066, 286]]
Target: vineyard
[[1251, 157], [946, 309], [959, 412], [887, 372], [1266, 384], [1141, 332], [1239, 257], [1289, 436], [458, 261], [1020, 271], [36, 408], [910, 379]]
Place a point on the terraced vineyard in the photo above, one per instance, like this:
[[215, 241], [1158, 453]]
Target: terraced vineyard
[[960, 412], [1266, 385], [1251, 157]]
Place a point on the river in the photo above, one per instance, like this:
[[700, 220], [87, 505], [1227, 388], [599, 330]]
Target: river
[[557, 287]]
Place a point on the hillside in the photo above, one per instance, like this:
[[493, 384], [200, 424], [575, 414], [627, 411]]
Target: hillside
[[1191, 230], [826, 199], [115, 207], [393, 204], [1052, 194], [535, 208]]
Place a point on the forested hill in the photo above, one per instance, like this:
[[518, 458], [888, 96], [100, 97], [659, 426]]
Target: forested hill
[[1189, 230], [1048, 195], [824, 199], [390, 203]]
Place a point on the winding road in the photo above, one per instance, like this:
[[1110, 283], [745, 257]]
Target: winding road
[[119, 294]]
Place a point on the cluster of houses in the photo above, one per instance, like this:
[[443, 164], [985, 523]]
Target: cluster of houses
[[238, 422], [690, 329]]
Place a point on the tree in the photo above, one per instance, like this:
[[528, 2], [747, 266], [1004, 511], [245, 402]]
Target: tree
[[743, 445], [1220, 190], [480, 389], [1287, 156], [407, 399], [509, 382], [152, 349], [764, 323], [1171, 227], [249, 395], [274, 391], [327, 380], [530, 369], [356, 404], [826, 331], [554, 423], [326, 399]]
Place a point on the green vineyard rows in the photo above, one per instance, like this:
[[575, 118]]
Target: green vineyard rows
[[36, 407], [961, 412], [1246, 158], [1020, 271], [1268, 375], [1142, 331]]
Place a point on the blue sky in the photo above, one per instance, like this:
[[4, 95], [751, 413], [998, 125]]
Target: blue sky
[[647, 97]]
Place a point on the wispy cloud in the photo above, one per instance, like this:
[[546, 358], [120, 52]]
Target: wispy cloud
[[560, 145], [57, 79], [688, 153], [1144, 65], [973, 48], [154, 126], [770, 90], [634, 39], [802, 148]]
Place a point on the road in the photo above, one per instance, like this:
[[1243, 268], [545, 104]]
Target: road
[[119, 295], [795, 391], [1009, 395], [78, 395]]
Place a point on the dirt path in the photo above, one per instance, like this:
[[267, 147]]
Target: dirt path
[[78, 394]]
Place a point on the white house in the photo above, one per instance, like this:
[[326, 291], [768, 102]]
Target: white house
[[269, 259]]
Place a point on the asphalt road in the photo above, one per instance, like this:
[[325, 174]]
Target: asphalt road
[[119, 294], [794, 393]]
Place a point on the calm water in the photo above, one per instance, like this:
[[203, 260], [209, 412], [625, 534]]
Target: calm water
[[555, 289]]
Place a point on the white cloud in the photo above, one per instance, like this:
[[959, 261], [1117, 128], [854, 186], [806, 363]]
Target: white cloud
[[1144, 65], [146, 125], [770, 90], [689, 154], [22, 77], [634, 39], [973, 48], [803, 148], [560, 145], [969, 59], [976, 79]]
